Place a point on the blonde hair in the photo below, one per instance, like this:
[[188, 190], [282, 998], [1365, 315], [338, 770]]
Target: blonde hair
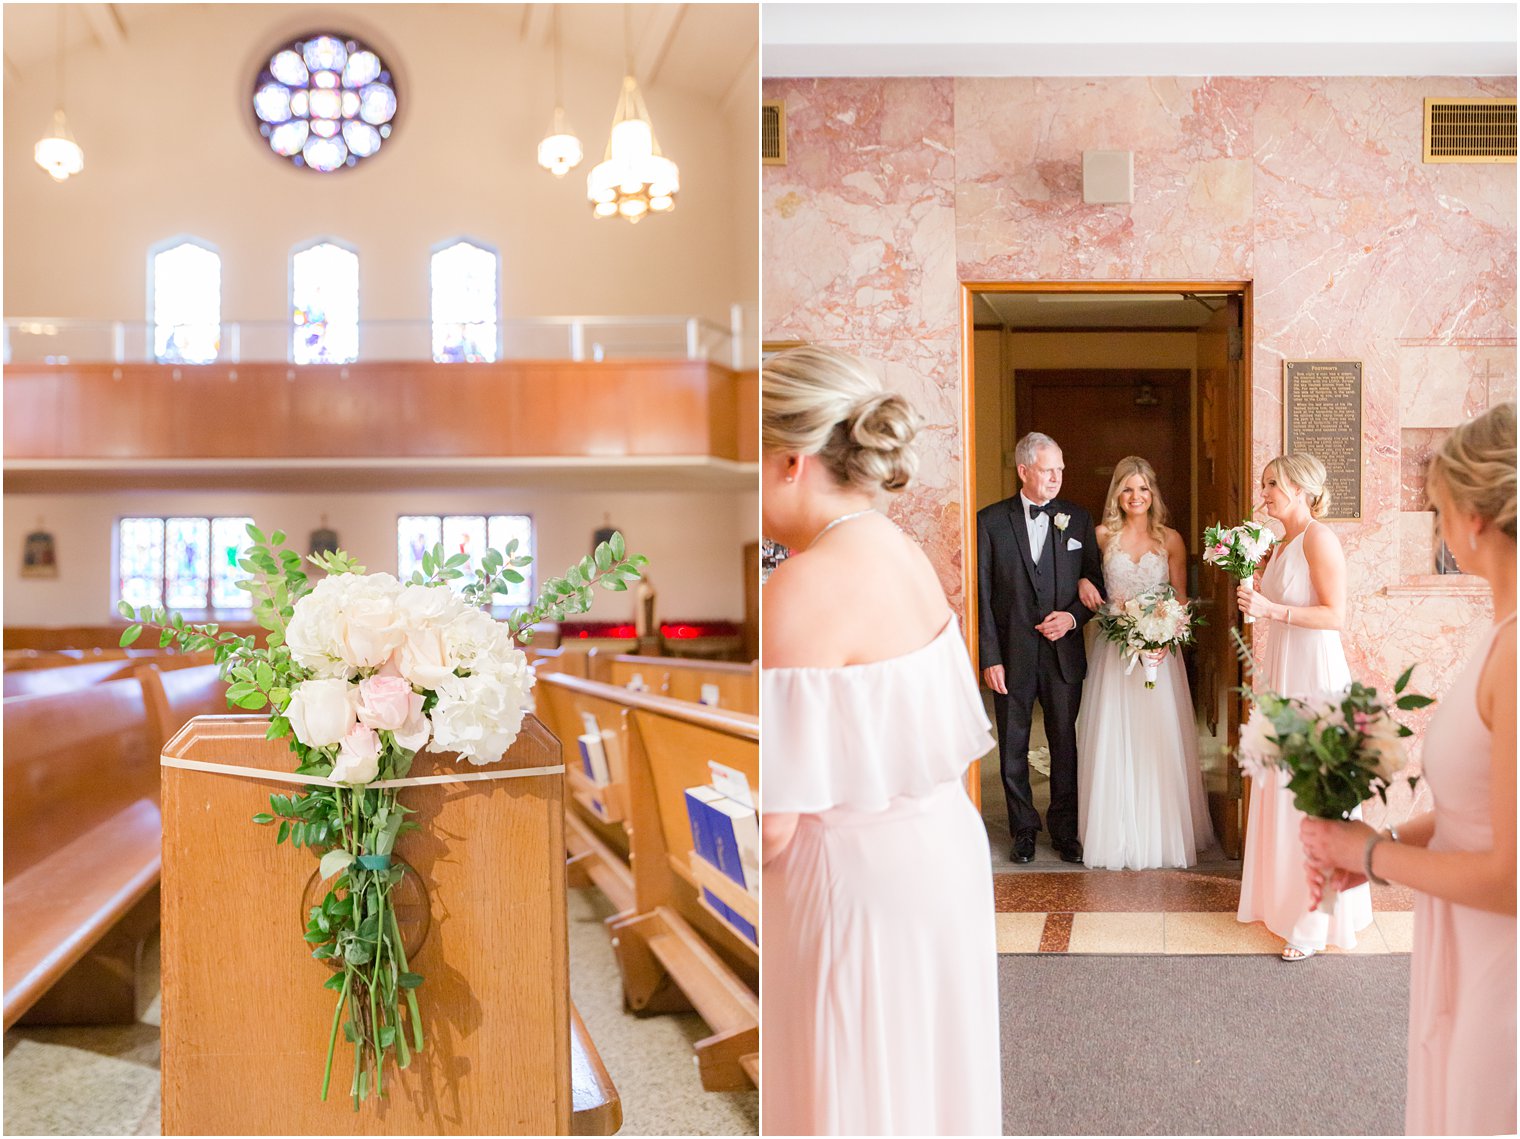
[[816, 401], [1113, 518], [1475, 464], [1307, 473]]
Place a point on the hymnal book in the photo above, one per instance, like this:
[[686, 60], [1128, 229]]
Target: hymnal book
[[709, 695], [636, 683], [594, 758], [697, 813]]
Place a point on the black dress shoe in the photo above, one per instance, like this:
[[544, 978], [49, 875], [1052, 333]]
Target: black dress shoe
[[1070, 852], [1023, 848]]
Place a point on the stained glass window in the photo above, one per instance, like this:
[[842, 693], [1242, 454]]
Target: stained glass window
[[324, 301], [464, 280], [469, 534], [181, 563], [325, 102], [187, 304]]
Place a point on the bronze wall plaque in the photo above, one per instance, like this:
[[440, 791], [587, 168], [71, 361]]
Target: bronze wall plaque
[[1322, 414]]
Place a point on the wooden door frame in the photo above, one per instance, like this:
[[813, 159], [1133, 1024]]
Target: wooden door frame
[[969, 291]]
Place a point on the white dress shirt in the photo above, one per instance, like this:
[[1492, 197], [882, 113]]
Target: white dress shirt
[[1038, 527]]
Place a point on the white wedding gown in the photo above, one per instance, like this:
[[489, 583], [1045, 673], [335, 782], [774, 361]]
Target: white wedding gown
[[1140, 793]]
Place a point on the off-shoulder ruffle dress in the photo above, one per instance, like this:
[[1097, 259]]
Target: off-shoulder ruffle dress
[[879, 983]]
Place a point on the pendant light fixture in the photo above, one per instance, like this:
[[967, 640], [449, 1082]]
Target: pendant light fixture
[[633, 178], [560, 151], [57, 152]]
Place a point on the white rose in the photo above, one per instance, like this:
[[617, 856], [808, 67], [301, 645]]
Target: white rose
[[1381, 737], [424, 657], [1062, 521], [369, 627], [478, 715], [312, 635], [322, 711], [359, 756]]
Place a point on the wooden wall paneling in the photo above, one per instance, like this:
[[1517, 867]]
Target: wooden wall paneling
[[384, 409], [245, 1020]]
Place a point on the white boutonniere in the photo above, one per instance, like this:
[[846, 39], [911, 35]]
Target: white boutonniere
[[1061, 521]]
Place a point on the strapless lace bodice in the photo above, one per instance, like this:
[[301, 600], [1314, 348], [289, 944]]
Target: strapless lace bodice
[[1126, 578]]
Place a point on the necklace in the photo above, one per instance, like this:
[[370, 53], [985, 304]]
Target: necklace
[[837, 521]]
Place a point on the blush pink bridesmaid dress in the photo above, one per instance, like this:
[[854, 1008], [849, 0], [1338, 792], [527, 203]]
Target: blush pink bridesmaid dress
[[1462, 970], [1298, 662], [879, 966]]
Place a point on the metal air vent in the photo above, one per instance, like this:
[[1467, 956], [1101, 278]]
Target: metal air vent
[[1469, 130], [773, 134]]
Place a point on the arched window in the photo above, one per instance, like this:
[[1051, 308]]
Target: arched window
[[324, 304], [183, 563], [464, 290], [185, 297]]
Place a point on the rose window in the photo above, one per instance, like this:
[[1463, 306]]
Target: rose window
[[325, 102]]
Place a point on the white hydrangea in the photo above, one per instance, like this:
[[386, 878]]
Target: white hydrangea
[[478, 715], [313, 632], [1257, 751]]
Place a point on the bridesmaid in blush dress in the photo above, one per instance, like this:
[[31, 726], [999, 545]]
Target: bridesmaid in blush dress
[[1460, 857], [1303, 594], [879, 956]]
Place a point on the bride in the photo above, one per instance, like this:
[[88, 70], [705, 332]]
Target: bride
[[1140, 795]]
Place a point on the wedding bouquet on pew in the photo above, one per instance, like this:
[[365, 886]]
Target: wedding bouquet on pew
[[1238, 550], [359, 673], [1338, 749], [1146, 624]]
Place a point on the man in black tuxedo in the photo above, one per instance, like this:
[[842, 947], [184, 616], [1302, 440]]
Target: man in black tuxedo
[[1033, 551]]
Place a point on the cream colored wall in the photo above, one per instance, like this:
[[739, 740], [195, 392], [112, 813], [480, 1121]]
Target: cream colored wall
[[694, 540], [169, 150]]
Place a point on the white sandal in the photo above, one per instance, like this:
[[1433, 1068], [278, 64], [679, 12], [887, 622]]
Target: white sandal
[[1293, 952]]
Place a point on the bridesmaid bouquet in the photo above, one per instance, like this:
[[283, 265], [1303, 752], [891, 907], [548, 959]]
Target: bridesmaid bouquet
[[1238, 550], [1146, 624], [1337, 750], [359, 673]]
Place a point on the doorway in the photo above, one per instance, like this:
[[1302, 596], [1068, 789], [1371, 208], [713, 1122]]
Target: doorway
[[1108, 369]]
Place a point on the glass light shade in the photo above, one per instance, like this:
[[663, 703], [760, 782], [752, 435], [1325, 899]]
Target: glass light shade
[[632, 141], [58, 153], [560, 152]]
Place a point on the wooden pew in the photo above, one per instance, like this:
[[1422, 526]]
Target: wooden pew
[[682, 679], [18, 659], [177, 696], [673, 950], [77, 674], [506, 1052], [82, 839]]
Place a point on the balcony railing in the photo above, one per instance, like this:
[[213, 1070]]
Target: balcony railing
[[43, 340]]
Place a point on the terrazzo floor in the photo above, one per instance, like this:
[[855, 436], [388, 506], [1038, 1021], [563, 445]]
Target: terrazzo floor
[[105, 1081]]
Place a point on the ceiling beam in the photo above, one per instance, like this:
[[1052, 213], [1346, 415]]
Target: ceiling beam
[[537, 23], [654, 44], [105, 24], [746, 81]]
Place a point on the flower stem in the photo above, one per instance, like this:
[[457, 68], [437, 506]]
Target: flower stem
[[332, 1036]]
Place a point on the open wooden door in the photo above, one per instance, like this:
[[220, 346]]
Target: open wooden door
[[1224, 487]]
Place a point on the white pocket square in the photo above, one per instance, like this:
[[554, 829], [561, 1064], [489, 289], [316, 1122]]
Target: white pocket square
[[1072, 544]]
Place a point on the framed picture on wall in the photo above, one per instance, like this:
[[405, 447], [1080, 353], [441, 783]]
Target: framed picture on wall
[[39, 557]]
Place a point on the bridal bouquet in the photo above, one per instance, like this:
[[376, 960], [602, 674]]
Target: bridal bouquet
[[1238, 550], [1337, 749], [1146, 624], [361, 672]]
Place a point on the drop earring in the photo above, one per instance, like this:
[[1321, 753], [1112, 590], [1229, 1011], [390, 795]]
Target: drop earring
[[1472, 541]]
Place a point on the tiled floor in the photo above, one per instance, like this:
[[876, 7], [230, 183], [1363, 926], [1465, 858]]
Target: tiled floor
[[1158, 911]]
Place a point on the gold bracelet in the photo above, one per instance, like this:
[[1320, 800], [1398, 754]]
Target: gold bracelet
[[1289, 618]]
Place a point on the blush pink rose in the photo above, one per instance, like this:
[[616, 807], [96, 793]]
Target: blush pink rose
[[387, 702], [358, 756]]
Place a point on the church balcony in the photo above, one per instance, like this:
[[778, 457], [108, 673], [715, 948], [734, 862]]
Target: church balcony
[[575, 401]]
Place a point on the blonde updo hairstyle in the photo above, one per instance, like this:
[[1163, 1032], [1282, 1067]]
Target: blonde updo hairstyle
[[1475, 464], [816, 401], [1113, 517], [1307, 473]]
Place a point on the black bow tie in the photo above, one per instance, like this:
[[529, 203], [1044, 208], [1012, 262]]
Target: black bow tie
[[1036, 511]]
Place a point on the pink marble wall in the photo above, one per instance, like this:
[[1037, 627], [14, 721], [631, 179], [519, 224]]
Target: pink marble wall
[[1313, 189]]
